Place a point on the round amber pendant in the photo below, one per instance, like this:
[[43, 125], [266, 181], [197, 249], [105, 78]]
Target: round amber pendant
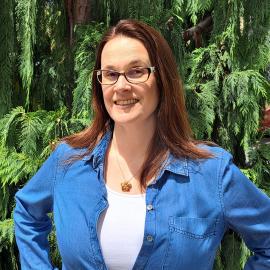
[[126, 186]]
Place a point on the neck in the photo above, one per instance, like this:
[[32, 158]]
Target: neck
[[126, 155], [132, 141]]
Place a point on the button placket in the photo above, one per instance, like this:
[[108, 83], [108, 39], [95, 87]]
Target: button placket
[[149, 230]]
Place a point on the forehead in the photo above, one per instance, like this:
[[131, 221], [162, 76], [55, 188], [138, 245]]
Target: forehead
[[121, 51]]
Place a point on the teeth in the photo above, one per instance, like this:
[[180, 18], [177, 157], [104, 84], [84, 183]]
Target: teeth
[[126, 102]]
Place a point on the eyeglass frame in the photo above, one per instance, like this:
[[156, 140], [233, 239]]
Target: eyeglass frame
[[98, 72]]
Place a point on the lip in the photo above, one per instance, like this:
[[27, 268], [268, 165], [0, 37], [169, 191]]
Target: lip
[[126, 102]]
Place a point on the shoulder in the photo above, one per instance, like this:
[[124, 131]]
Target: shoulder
[[215, 165], [219, 154], [64, 151]]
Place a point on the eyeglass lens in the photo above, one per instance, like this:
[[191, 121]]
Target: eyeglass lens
[[134, 75]]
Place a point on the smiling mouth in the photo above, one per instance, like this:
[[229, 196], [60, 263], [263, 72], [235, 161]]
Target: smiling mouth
[[126, 102]]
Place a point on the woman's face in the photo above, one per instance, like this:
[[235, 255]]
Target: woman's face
[[124, 101]]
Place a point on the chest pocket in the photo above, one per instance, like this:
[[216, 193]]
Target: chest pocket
[[191, 243]]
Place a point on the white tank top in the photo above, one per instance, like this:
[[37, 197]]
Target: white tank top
[[121, 229]]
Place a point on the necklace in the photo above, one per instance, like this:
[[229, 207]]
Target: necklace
[[126, 186]]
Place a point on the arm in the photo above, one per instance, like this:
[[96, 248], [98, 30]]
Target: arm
[[32, 224], [247, 211]]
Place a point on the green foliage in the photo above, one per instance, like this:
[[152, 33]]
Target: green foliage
[[7, 245], [6, 233], [243, 95], [218, 261], [52, 80], [54, 252], [6, 55], [26, 140], [87, 40], [206, 64], [16, 166], [207, 67], [227, 33], [122, 9], [196, 7], [26, 28], [255, 30], [18, 147], [244, 23], [4, 207], [201, 100], [232, 254], [259, 160], [235, 114]]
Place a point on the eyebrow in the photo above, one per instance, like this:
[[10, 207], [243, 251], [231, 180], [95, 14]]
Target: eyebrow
[[133, 62]]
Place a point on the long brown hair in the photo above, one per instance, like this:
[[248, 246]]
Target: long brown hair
[[173, 133]]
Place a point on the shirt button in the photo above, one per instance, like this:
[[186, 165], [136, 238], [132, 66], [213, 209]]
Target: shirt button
[[149, 238], [149, 207]]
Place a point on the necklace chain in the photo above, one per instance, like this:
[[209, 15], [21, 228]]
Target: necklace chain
[[125, 185]]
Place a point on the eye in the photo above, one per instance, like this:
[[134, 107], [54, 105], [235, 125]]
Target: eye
[[135, 73], [110, 74]]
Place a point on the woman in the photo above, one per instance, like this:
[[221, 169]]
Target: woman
[[134, 190]]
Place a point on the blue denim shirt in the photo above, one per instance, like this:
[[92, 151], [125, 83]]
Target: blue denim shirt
[[193, 204]]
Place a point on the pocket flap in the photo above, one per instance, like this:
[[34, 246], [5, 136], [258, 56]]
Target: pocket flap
[[194, 227]]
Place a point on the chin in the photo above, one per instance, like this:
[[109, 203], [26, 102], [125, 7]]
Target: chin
[[125, 120]]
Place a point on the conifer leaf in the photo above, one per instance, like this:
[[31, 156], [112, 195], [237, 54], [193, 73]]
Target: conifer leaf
[[6, 233]]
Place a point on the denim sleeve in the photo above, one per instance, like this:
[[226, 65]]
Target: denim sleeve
[[32, 224], [247, 211]]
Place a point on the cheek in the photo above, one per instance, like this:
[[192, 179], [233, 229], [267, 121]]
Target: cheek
[[107, 97]]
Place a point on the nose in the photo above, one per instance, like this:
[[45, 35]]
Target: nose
[[122, 84]]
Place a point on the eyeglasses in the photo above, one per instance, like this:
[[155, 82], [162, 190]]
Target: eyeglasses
[[133, 75]]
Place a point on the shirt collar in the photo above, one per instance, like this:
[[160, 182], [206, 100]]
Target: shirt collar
[[176, 165], [171, 164], [97, 156]]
